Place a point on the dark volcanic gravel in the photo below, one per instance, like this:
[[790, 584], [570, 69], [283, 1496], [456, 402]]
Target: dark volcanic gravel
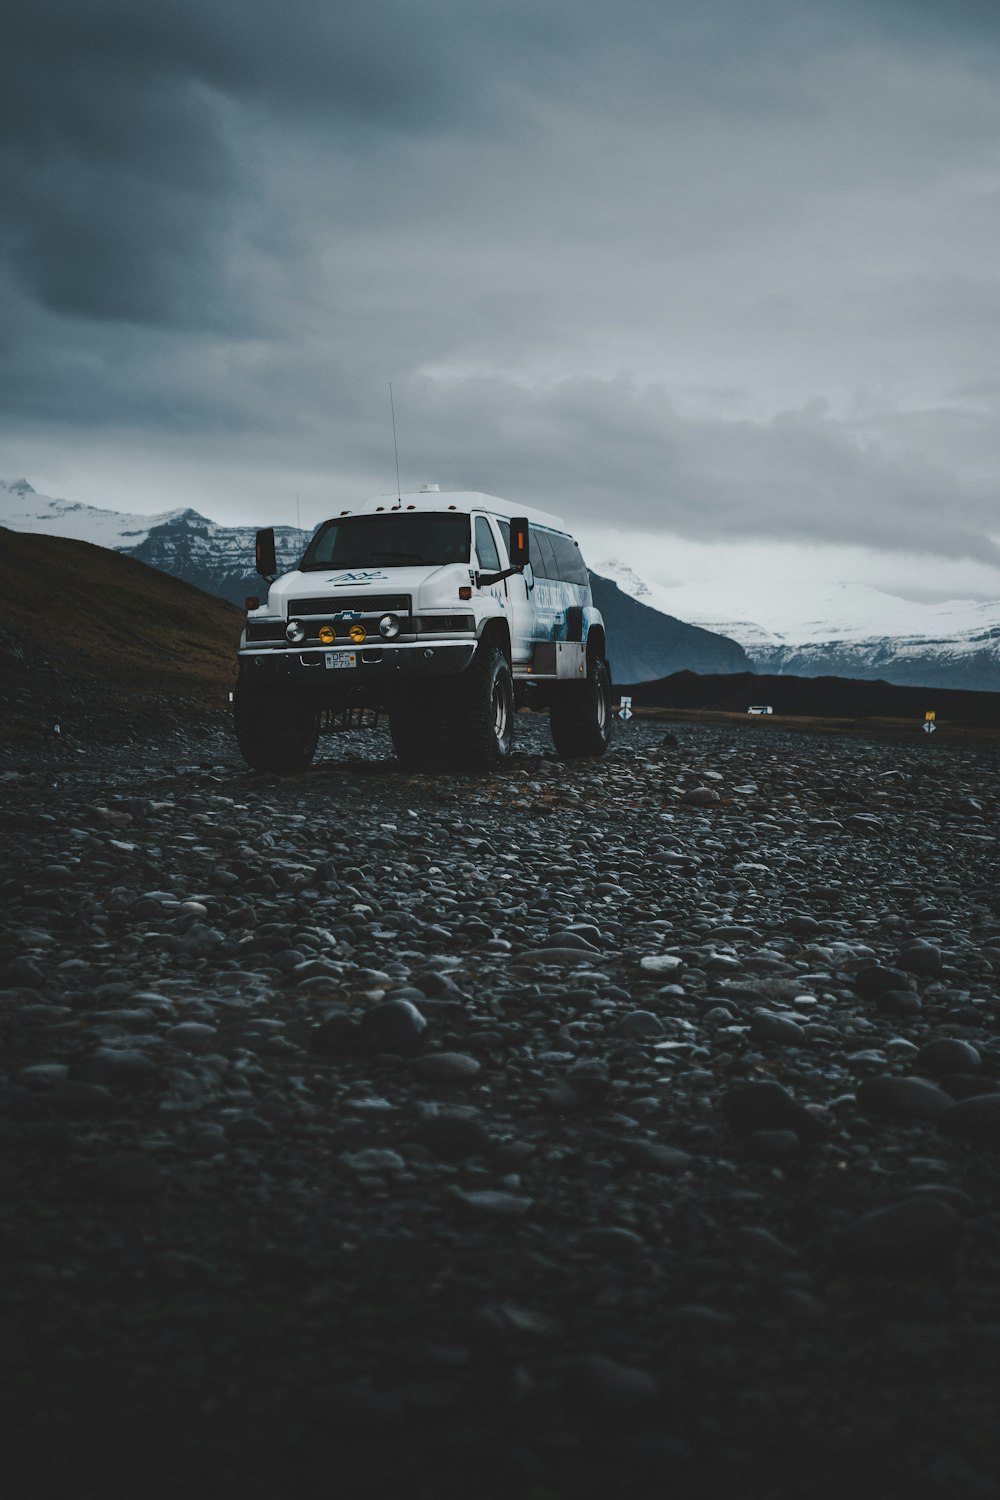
[[628, 1128]]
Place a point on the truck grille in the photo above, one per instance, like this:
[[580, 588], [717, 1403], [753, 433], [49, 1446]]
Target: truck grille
[[369, 604]]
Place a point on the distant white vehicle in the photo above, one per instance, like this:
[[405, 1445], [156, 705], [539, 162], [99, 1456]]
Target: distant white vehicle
[[760, 708]]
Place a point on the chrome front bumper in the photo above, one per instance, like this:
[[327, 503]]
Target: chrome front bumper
[[385, 661]]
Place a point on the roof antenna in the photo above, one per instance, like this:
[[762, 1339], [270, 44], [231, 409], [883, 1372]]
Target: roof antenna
[[392, 408]]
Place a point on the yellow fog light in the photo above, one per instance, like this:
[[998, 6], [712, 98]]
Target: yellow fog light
[[358, 633], [327, 635]]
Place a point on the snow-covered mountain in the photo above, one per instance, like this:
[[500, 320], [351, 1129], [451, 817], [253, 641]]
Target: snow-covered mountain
[[700, 607], [646, 643], [841, 630], [22, 509], [218, 559]]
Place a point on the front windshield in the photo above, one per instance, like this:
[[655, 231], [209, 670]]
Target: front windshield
[[394, 541]]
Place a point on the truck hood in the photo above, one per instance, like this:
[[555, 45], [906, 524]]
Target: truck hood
[[429, 587]]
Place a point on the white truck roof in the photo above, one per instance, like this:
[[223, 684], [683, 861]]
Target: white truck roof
[[463, 500]]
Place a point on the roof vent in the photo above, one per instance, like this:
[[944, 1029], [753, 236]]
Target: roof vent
[[430, 489]]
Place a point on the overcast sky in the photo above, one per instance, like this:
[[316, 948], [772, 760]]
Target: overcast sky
[[718, 282]]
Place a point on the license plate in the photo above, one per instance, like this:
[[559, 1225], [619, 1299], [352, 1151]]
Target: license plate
[[341, 659]]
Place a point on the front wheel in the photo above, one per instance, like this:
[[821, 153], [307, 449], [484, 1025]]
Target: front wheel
[[485, 712], [276, 730], [580, 715]]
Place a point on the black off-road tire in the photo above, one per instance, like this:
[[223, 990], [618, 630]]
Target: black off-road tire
[[276, 730], [484, 712], [580, 714]]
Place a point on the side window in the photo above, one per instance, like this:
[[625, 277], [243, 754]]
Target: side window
[[549, 553], [541, 549], [569, 560], [486, 547]]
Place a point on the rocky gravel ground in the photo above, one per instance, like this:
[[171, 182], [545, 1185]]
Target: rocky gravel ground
[[621, 1128]]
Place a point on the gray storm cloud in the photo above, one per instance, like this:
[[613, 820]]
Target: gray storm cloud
[[727, 270], [605, 450]]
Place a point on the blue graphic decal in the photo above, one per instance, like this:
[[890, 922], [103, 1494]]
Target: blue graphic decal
[[360, 578]]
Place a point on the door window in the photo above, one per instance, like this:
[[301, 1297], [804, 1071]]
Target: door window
[[486, 547]]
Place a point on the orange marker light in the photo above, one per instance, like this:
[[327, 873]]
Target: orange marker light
[[465, 592]]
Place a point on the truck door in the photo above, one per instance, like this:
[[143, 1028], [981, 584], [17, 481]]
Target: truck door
[[489, 560], [520, 607]]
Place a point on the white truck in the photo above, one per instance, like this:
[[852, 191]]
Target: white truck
[[446, 610]]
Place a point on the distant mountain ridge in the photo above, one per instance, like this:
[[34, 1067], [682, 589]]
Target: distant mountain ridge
[[644, 642], [844, 630], [816, 697]]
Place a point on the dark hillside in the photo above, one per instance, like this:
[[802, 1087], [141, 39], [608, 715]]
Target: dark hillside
[[89, 607], [87, 634]]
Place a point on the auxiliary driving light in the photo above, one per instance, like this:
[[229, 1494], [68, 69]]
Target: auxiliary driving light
[[358, 634], [388, 627], [327, 635], [295, 631]]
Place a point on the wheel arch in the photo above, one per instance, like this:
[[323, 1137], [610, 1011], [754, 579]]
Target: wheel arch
[[596, 639], [496, 632]]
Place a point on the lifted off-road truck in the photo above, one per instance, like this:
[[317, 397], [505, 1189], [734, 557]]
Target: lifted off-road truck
[[447, 612]]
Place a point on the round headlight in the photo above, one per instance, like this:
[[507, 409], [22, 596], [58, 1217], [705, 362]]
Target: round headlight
[[388, 627], [295, 631], [327, 635]]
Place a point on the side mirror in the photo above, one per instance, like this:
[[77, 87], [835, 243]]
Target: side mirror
[[267, 562], [520, 547]]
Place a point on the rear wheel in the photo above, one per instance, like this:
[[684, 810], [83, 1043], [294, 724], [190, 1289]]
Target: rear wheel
[[580, 715], [276, 730]]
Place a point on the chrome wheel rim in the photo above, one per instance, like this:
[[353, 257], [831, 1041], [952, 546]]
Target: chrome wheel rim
[[499, 713]]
